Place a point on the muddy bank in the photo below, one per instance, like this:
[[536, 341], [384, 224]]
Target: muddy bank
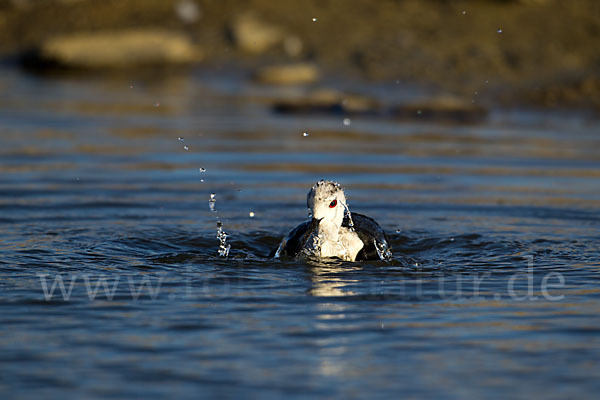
[[541, 52]]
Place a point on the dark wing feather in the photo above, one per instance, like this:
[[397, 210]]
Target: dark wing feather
[[369, 232], [294, 242]]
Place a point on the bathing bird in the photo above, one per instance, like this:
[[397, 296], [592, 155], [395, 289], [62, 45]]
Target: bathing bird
[[333, 231]]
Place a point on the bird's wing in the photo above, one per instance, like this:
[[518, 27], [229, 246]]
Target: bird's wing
[[293, 243], [376, 244]]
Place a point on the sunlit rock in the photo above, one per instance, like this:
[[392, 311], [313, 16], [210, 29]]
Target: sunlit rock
[[253, 35], [117, 49], [328, 101], [288, 74]]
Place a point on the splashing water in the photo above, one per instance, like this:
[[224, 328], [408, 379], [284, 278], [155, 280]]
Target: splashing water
[[349, 215], [211, 202], [383, 250], [224, 247]]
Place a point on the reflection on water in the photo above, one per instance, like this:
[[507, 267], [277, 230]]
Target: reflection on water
[[98, 193], [326, 281]]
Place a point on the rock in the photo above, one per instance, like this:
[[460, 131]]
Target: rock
[[254, 36], [288, 74], [117, 49], [293, 46], [188, 11], [328, 101], [442, 108]]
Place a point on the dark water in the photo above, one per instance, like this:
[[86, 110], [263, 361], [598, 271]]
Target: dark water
[[493, 290]]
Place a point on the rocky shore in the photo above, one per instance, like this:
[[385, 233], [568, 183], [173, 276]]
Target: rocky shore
[[511, 52]]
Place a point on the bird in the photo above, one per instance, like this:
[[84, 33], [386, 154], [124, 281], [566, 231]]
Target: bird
[[333, 231]]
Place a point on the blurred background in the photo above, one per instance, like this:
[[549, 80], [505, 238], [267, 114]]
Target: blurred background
[[132, 131], [509, 52]]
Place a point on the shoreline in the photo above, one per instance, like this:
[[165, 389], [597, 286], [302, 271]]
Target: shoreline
[[540, 53]]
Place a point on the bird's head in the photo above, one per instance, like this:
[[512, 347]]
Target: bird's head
[[326, 201]]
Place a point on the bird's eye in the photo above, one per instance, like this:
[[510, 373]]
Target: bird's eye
[[333, 204]]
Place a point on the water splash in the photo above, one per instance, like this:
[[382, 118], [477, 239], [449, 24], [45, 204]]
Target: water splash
[[349, 215], [316, 244], [211, 202], [224, 247], [383, 251]]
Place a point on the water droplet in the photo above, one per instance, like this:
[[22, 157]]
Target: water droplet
[[251, 214], [202, 169], [314, 20], [305, 134], [201, 180], [499, 30], [347, 121], [186, 148], [211, 202]]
